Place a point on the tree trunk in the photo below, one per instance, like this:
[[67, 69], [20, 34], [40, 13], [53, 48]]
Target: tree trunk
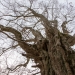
[[58, 58]]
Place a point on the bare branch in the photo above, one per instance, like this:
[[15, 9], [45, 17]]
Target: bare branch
[[36, 33], [18, 66], [18, 37]]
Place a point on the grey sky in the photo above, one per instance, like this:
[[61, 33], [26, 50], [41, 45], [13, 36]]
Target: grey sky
[[64, 1]]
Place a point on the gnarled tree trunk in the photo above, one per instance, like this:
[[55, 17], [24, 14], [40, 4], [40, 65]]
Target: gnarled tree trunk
[[58, 59], [53, 53]]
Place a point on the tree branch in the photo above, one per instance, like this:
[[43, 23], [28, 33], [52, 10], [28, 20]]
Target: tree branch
[[37, 34], [26, 47]]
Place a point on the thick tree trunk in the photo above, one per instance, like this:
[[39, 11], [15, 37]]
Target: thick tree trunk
[[58, 58], [56, 54]]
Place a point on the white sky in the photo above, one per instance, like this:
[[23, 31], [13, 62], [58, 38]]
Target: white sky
[[64, 1]]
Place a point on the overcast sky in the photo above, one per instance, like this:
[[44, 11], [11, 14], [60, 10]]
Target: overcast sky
[[64, 1]]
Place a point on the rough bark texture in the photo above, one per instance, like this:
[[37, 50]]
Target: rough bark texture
[[53, 53]]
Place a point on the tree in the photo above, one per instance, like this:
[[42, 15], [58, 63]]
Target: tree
[[51, 50]]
